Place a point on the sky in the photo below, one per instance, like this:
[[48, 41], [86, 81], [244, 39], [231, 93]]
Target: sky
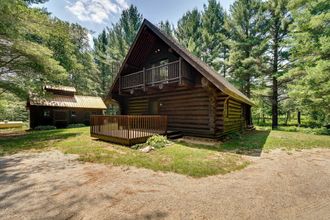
[[95, 15]]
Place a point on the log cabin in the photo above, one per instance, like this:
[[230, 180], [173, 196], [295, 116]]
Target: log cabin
[[161, 78], [61, 106]]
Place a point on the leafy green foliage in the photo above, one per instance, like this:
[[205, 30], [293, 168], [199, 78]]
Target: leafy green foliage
[[26, 62], [248, 43], [167, 28], [157, 141], [310, 44], [111, 46], [12, 108], [188, 31]]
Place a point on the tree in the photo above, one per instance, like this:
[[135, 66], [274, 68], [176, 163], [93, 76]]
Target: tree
[[100, 55], [26, 63], [213, 34], [69, 43], [167, 28], [111, 46], [247, 28], [188, 31], [310, 50], [278, 18]]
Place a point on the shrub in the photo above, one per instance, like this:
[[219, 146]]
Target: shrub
[[157, 141], [75, 125], [44, 127]]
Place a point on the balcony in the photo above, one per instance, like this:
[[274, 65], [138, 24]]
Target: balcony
[[154, 76]]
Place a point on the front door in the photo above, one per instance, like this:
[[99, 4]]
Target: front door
[[153, 108]]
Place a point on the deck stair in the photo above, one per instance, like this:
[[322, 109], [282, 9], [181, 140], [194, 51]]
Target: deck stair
[[174, 134]]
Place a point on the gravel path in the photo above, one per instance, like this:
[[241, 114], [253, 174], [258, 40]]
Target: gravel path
[[277, 185]]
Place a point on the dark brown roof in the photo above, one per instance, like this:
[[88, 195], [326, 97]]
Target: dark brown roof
[[218, 81]]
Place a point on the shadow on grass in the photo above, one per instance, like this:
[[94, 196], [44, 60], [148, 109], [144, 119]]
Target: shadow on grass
[[250, 143], [33, 140]]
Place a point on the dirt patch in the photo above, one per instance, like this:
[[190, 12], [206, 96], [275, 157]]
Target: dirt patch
[[277, 185]]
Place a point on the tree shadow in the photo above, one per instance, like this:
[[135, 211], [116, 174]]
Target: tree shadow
[[250, 143], [33, 140], [27, 189]]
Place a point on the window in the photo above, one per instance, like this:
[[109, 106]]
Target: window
[[46, 113]]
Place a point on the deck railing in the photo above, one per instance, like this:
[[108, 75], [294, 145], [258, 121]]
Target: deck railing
[[127, 129], [166, 73]]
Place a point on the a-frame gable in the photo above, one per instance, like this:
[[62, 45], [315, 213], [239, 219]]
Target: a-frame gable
[[142, 40]]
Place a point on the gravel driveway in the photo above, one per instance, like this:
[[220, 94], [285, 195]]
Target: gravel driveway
[[277, 185]]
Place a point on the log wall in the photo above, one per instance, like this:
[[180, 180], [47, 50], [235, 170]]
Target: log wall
[[188, 110], [233, 112]]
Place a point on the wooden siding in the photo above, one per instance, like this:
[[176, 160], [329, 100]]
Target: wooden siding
[[188, 110], [37, 116], [233, 116]]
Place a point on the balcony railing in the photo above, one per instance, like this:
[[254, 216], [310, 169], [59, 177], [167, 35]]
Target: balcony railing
[[162, 74]]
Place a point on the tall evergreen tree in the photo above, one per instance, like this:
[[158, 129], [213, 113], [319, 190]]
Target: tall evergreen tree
[[278, 18], [248, 43], [111, 46], [310, 54], [166, 27], [188, 31], [101, 60], [213, 34]]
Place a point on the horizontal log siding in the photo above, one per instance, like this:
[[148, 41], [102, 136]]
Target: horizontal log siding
[[233, 120], [220, 103], [187, 110]]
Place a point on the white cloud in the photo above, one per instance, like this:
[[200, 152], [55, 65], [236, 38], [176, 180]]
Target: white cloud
[[96, 10]]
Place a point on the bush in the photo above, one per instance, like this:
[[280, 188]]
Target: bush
[[157, 141], [75, 125], [44, 127]]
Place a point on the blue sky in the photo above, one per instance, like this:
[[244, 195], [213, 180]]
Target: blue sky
[[95, 15]]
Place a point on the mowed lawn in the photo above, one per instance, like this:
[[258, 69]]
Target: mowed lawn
[[195, 160]]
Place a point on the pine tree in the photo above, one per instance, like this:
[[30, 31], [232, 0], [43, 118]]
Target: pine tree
[[166, 27], [213, 34], [188, 31], [101, 60], [278, 18], [247, 27], [310, 50], [111, 46]]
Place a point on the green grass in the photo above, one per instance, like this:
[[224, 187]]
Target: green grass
[[195, 160]]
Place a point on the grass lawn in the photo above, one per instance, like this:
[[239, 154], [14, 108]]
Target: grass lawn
[[190, 159]]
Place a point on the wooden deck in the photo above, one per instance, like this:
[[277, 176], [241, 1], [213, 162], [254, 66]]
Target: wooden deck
[[127, 129]]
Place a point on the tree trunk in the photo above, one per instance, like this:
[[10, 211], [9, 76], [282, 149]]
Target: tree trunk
[[299, 118], [274, 75], [287, 117], [274, 105]]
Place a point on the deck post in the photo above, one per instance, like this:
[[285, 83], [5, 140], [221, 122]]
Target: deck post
[[128, 125], [144, 79], [180, 71]]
